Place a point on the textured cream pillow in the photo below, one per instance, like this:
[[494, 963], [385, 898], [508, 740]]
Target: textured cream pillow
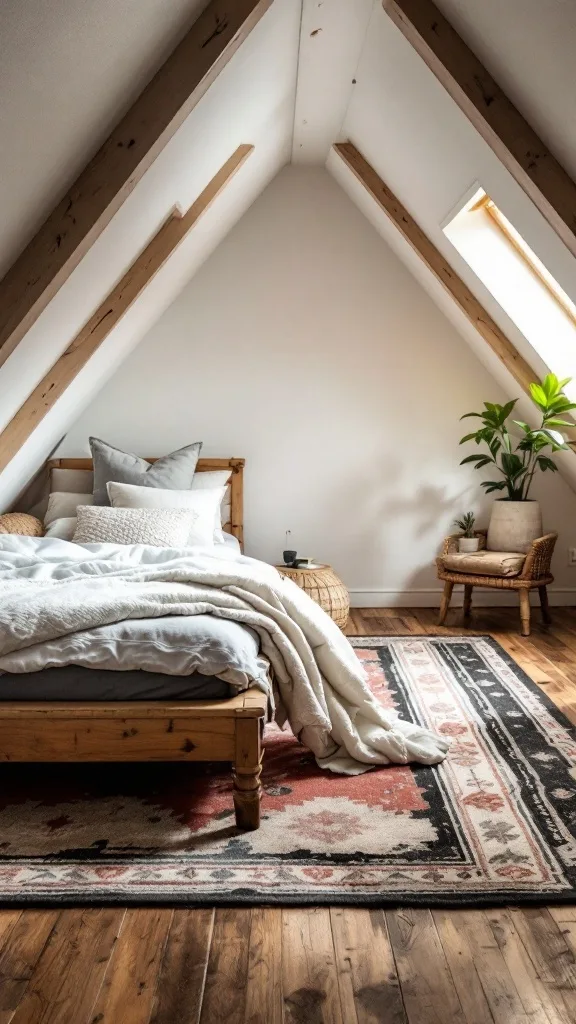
[[160, 527], [204, 502]]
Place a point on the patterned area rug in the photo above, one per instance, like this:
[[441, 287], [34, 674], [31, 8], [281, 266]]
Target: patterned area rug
[[494, 823]]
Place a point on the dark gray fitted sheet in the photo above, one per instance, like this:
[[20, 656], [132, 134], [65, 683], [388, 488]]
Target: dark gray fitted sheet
[[75, 682]]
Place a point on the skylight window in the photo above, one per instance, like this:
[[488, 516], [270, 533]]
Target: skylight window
[[519, 281]]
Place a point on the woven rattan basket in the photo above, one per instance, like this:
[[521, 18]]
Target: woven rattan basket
[[323, 586], [22, 523]]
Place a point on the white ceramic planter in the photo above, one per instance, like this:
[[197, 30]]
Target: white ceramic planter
[[467, 545], [514, 525]]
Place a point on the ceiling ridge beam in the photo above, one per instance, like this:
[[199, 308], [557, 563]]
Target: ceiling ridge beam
[[107, 180], [494, 116], [111, 311], [464, 298]]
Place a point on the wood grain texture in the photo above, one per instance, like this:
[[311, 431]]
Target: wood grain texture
[[180, 987], [104, 184], [110, 312], [309, 975], [368, 982], [428, 988], [80, 945], [494, 116], [225, 990], [270, 965], [19, 956], [466, 301], [128, 992], [264, 976], [117, 739]]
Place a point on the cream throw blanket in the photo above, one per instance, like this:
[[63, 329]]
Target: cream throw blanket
[[51, 588]]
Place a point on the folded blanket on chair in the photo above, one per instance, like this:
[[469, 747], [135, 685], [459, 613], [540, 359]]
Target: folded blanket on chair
[[51, 588]]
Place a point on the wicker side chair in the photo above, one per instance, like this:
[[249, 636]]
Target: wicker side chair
[[535, 573]]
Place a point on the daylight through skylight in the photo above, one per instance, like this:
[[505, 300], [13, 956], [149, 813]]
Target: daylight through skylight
[[519, 281]]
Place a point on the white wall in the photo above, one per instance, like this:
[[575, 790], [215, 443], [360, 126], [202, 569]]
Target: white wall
[[251, 101], [429, 154], [304, 345]]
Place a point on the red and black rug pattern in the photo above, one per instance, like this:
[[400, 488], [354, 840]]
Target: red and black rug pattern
[[495, 822]]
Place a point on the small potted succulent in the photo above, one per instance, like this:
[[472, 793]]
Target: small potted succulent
[[468, 542]]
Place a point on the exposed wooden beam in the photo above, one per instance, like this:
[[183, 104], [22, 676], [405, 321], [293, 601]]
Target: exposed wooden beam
[[498, 121], [107, 316], [91, 202], [467, 302]]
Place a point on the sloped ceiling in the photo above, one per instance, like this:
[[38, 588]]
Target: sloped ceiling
[[69, 70], [309, 74], [251, 101], [429, 154], [528, 47]]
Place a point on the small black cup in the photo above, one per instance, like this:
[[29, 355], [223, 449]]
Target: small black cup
[[289, 557]]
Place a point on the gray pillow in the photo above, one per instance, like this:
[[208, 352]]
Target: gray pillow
[[173, 472]]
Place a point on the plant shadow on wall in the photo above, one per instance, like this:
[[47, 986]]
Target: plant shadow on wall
[[426, 510]]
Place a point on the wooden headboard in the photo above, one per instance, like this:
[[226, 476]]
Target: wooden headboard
[[236, 467]]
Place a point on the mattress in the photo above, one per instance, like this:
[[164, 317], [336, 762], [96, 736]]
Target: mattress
[[170, 656], [75, 682]]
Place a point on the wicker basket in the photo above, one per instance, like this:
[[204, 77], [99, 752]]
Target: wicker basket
[[323, 586], [22, 523]]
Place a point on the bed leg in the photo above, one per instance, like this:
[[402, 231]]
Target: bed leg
[[246, 772]]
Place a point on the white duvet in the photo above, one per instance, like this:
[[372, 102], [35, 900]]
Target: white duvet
[[50, 589]]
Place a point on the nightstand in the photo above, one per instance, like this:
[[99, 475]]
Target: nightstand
[[323, 586]]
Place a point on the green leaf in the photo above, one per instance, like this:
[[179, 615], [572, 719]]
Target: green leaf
[[539, 396], [493, 485], [512, 465], [550, 385], [545, 463], [558, 423], [468, 414], [481, 460], [561, 404], [467, 437], [486, 434], [523, 426], [505, 410]]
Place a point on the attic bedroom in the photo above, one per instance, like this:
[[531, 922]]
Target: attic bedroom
[[287, 506]]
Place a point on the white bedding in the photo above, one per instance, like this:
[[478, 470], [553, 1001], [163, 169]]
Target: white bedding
[[50, 589]]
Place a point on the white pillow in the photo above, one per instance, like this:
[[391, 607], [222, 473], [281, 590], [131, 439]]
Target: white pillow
[[62, 528], [205, 503], [62, 505], [216, 478], [160, 527]]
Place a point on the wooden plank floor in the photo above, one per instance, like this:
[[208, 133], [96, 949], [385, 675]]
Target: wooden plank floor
[[310, 965]]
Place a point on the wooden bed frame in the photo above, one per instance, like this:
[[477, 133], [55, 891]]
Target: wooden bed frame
[[225, 730]]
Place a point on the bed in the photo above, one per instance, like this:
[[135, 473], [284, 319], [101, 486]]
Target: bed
[[57, 597], [220, 728]]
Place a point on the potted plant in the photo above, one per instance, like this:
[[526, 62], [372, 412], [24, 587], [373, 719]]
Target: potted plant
[[468, 541], [516, 519]]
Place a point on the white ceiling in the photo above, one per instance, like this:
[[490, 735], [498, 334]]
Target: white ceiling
[[529, 47], [252, 101], [69, 70], [311, 72]]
